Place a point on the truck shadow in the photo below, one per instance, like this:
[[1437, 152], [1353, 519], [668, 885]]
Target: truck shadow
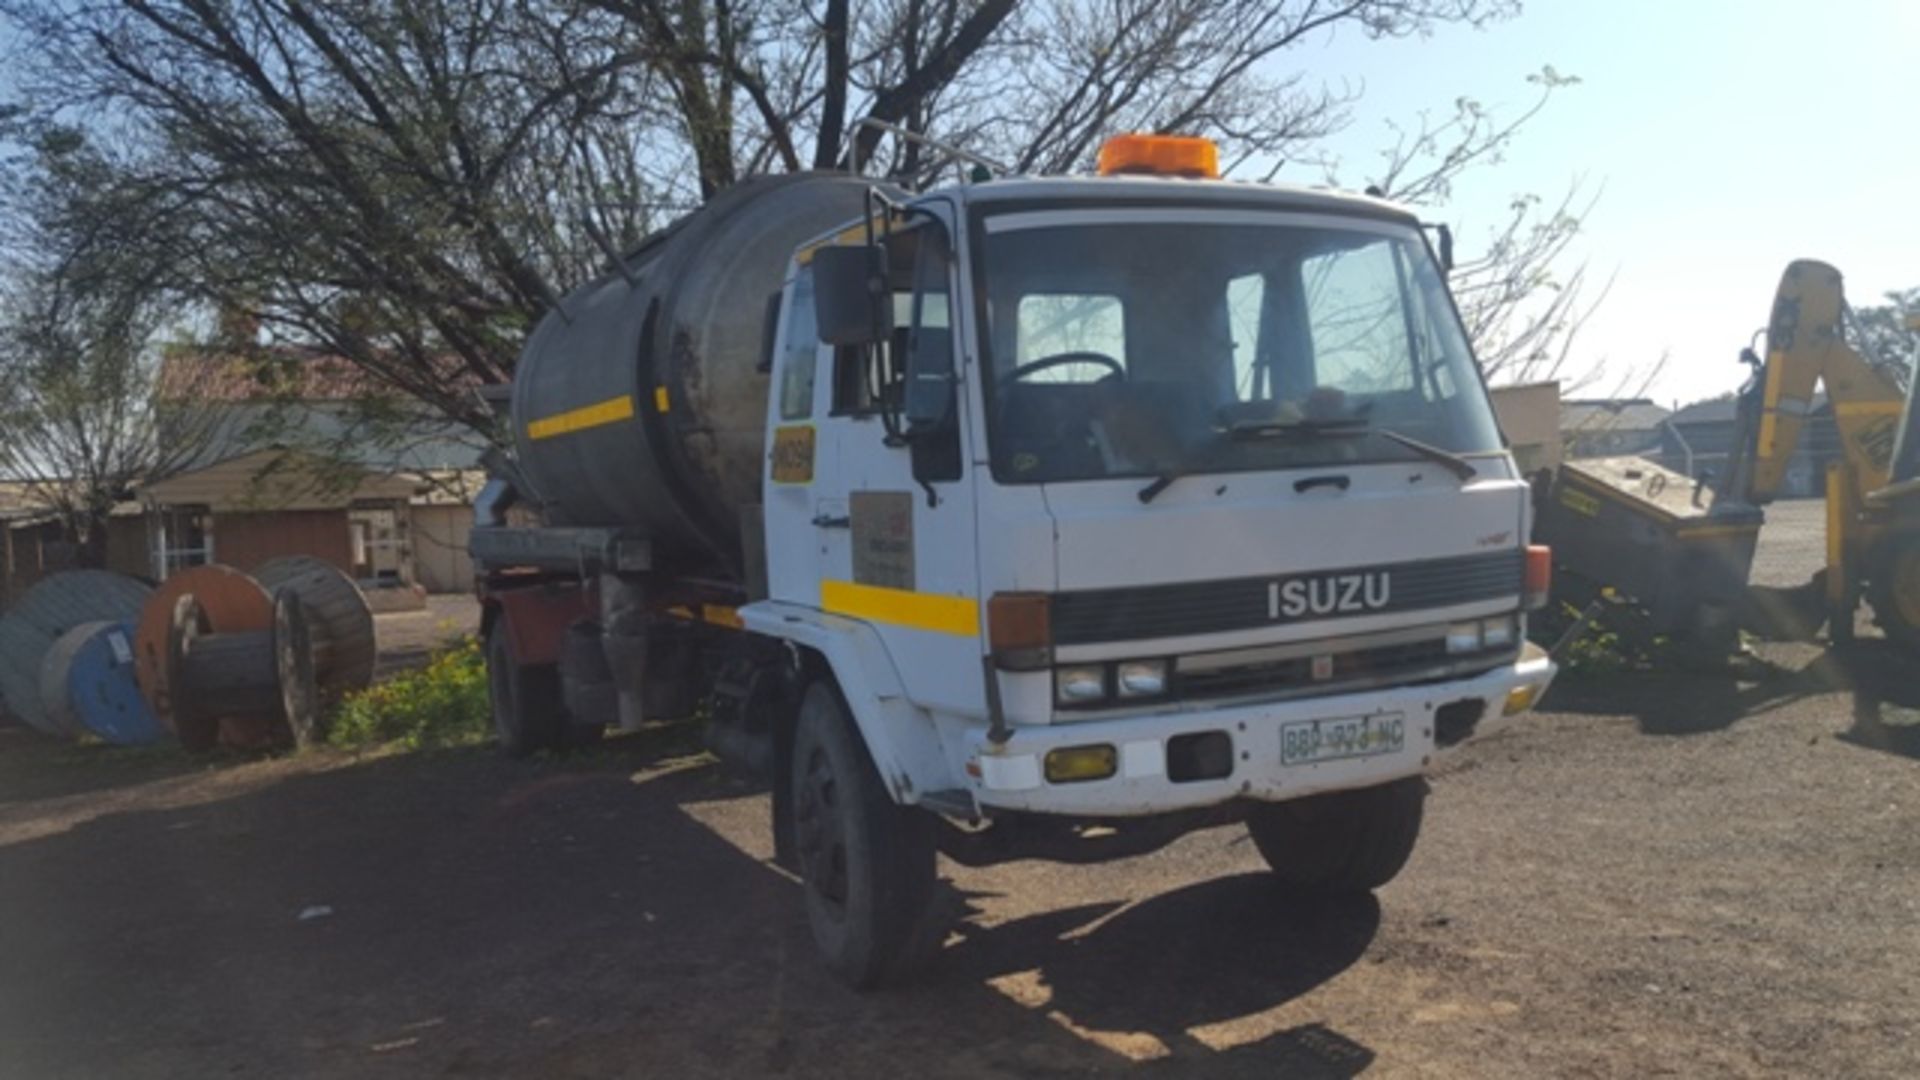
[[459, 914], [1144, 979]]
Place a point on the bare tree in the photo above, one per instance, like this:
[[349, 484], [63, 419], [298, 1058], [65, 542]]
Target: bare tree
[[82, 401], [1883, 334], [1522, 301], [407, 185], [411, 185]]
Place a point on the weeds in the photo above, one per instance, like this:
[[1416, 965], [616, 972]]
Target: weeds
[[440, 705], [1610, 642]]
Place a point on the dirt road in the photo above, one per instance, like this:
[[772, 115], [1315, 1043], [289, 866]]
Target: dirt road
[[1660, 875], [1679, 877]]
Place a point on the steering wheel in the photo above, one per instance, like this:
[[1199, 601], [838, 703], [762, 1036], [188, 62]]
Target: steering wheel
[[1045, 363]]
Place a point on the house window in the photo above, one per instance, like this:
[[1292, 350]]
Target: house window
[[182, 537]]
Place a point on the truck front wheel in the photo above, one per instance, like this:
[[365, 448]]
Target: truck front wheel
[[1343, 841], [866, 864], [528, 714]]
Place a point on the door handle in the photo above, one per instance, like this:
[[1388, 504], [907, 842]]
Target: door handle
[[833, 521], [1336, 482]]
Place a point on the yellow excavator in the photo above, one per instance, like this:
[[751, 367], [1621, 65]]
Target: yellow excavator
[[1873, 490], [1678, 551]]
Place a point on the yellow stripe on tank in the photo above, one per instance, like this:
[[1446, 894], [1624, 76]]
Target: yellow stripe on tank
[[610, 411], [958, 615]]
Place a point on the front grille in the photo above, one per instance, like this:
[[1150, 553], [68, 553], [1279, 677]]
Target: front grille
[[1382, 663], [1209, 607]]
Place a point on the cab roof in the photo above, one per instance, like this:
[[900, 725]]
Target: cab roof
[[1035, 191]]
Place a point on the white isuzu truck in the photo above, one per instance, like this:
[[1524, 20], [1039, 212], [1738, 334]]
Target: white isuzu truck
[[1023, 518]]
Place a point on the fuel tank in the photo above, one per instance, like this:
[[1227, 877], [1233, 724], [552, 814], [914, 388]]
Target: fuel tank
[[640, 401]]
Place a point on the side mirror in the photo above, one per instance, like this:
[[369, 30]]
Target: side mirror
[[851, 301]]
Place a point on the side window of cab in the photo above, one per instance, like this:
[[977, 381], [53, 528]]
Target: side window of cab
[[801, 352]]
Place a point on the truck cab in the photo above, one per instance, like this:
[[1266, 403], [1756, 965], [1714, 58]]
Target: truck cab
[[1153, 492]]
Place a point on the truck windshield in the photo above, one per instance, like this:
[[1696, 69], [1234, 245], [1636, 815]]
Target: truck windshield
[[1155, 349]]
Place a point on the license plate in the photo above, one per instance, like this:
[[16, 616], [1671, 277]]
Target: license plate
[[1309, 741]]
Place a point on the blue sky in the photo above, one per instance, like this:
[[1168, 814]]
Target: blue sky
[[1730, 138]]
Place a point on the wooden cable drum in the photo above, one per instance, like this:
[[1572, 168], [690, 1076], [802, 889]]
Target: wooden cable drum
[[56, 605], [87, 682], [338, 615], [228, 602], [261, 681]]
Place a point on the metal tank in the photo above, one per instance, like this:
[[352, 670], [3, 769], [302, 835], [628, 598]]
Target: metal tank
[[640, 402]]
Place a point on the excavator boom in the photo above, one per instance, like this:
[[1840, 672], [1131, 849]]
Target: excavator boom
[[1873, 496], [1806, 345]]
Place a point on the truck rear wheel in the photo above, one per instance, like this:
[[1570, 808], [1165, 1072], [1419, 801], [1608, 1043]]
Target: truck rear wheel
[[528, 714], [866, 864], [1343, 841]]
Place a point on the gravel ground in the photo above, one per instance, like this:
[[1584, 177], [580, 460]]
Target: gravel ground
[[1685, 874], [408, 637], [1793, 543], [1676, 875]]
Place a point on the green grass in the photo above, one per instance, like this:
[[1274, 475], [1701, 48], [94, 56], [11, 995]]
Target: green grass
[[443, 704]]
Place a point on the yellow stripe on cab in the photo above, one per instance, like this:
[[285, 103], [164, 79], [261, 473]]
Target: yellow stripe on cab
[[959, 615]]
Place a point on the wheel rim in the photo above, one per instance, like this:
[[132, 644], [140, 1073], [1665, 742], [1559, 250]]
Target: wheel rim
[[819, 817]]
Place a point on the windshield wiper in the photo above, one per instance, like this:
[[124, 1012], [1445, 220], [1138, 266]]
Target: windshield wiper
[[1221, 436], [1460, 467], [1245, 430], [1165, 480]]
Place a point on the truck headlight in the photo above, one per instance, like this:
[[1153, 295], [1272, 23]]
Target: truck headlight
[[1497, 633], [1142, 678], [1080, 685], [1463, 637]]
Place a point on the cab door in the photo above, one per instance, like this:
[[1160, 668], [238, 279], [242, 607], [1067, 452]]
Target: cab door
[[795, 467], [891, 503]]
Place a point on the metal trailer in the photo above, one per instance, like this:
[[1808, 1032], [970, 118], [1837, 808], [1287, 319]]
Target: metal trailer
[[1658, 537]]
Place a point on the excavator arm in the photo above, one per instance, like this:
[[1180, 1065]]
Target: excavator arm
[[1873, 496], [1806, 345]]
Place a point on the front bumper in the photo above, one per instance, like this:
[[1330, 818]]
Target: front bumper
[[1012, 776]]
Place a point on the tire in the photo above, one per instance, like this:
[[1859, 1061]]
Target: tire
[[528, 715], [866, 864], [1893, 589], [1344, 841]]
